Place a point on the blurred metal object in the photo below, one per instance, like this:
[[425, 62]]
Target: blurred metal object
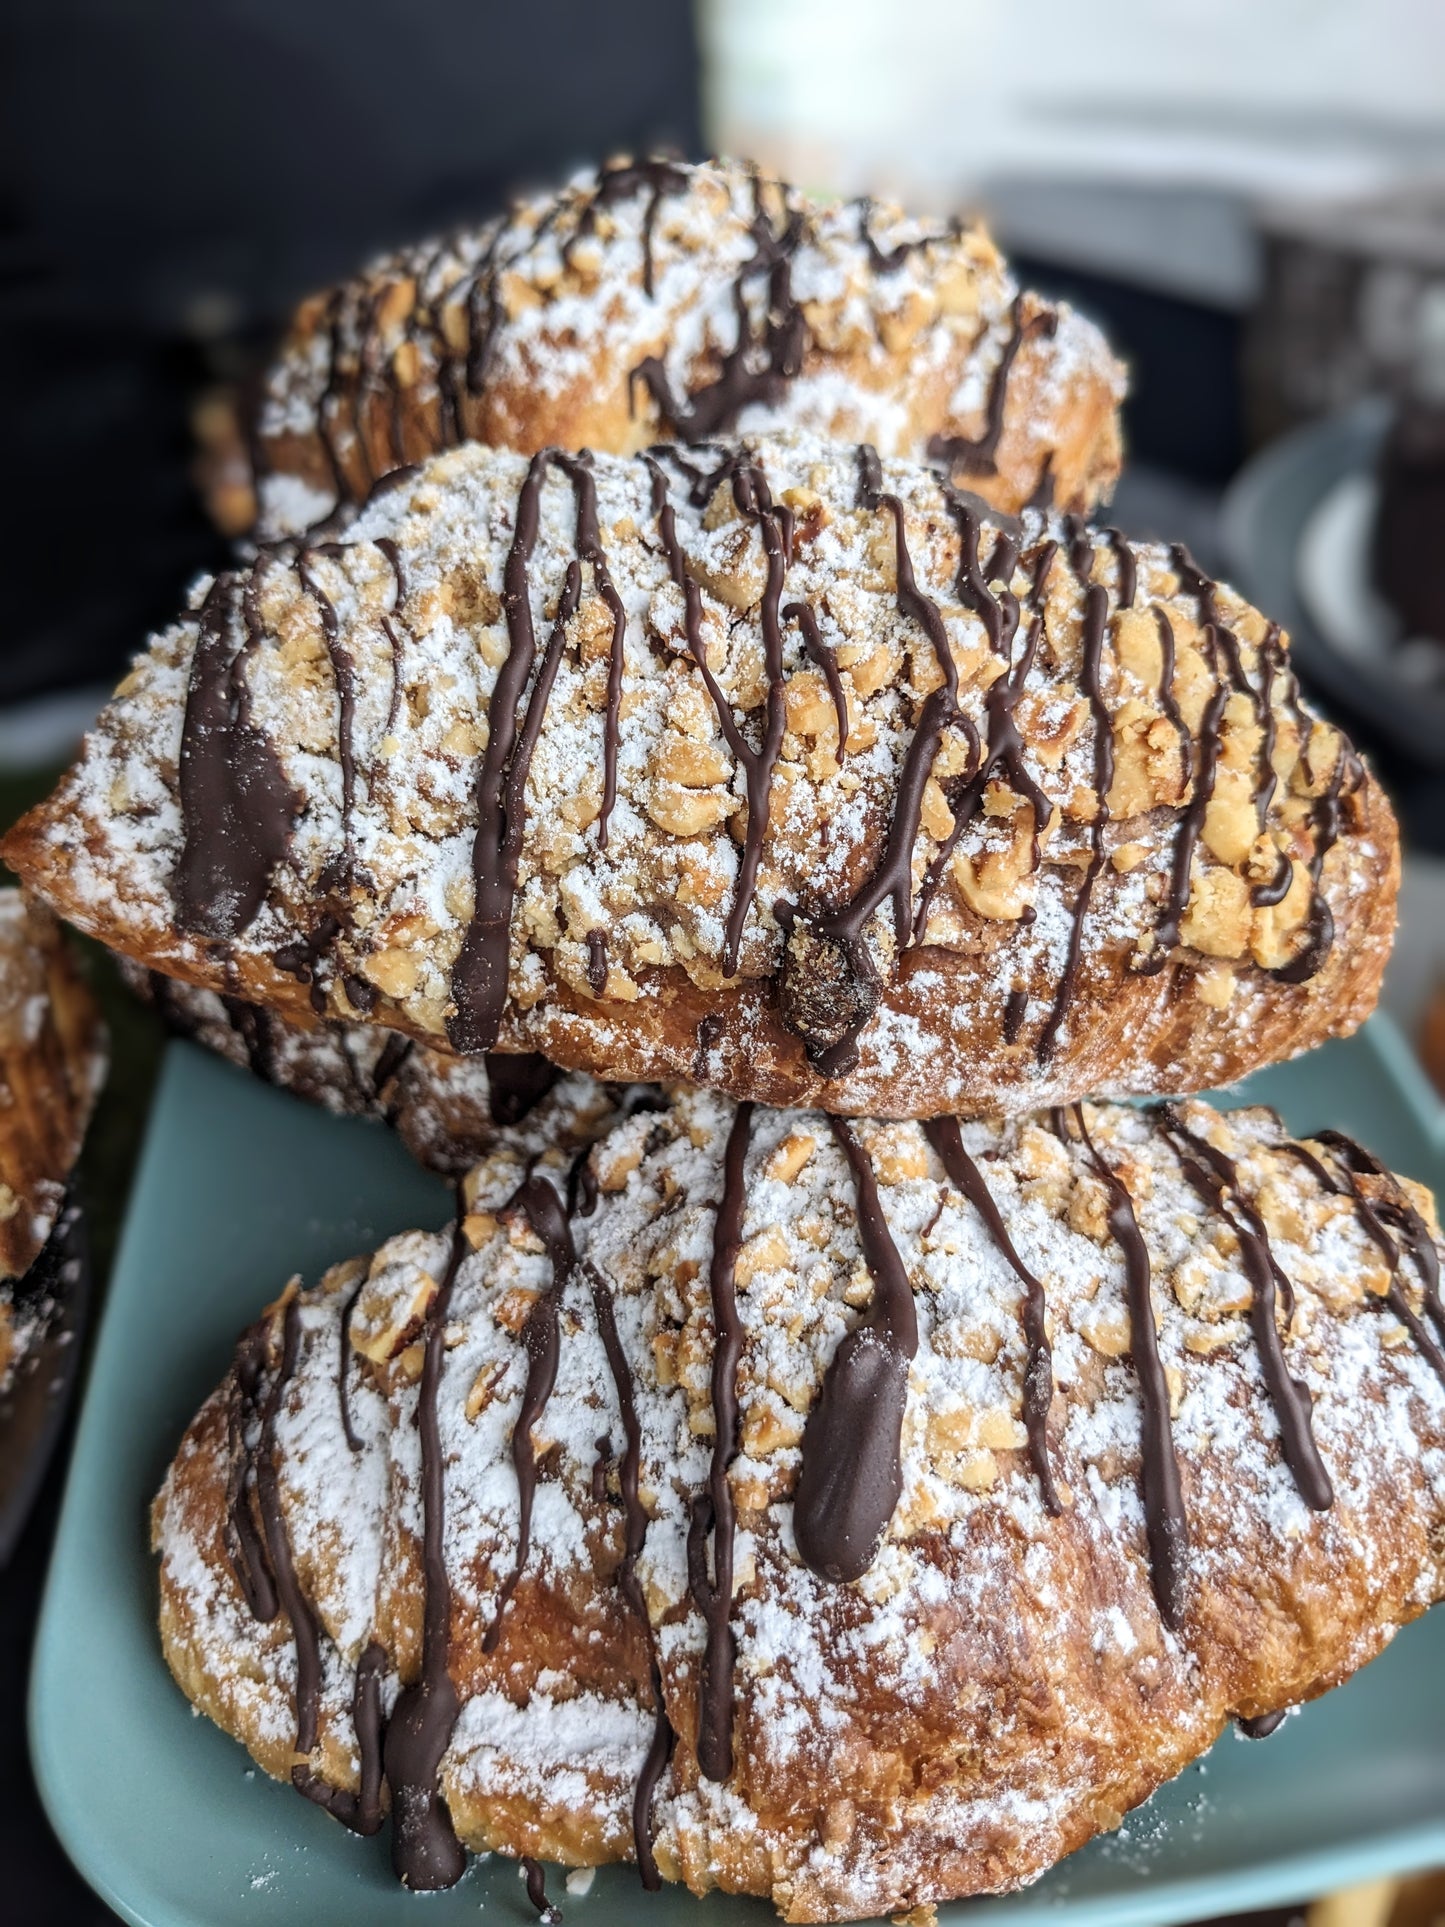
[[1352, 304], [34, 1404], [1267, 516]]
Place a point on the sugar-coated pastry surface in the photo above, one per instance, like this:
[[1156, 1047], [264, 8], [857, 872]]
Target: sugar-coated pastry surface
[[858, 1515], [445, 1109], [808, 779], [655, 299], [52, 1065]]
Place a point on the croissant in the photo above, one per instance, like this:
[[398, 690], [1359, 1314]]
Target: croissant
[[52, 1065], [810, 780], [905, 1503], [655, 299]]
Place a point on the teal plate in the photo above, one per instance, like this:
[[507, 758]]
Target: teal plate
[[240, 1186]]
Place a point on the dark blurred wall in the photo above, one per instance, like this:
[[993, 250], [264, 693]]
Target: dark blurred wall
[[175, 173]]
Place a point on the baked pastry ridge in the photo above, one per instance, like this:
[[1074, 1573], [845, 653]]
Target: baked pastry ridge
[[585, 1577], [52, 1065], [792, 772], [655, 299]]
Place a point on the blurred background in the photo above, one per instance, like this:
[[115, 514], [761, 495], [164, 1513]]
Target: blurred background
[[1248, 194]]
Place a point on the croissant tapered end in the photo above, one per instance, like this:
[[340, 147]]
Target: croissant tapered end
[[800, 774], [660, 300], [52, 1064], [1158, 1448]]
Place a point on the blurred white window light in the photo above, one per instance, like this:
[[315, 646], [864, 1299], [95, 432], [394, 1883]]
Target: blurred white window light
[[1134, 136]]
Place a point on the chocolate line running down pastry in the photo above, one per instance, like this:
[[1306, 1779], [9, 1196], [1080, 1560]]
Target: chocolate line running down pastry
[[53, 1055], [655, 300], [904, 1505], [548, 756]]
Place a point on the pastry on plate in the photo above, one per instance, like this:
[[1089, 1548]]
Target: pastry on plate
[[856, 1514], [52, 1065], [445, 1109], [655, 300], [810, 780]]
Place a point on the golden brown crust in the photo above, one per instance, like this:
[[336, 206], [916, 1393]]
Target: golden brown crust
[[1000, 1684], [530, 333], [1063, 951]]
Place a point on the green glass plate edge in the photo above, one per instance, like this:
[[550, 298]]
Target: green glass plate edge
[[239, 1185]]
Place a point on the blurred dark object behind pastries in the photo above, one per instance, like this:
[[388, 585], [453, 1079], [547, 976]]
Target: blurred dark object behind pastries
[[173, 177]]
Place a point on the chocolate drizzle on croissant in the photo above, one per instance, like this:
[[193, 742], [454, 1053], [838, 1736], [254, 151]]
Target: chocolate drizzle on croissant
[[953, 818], [845, 1492]]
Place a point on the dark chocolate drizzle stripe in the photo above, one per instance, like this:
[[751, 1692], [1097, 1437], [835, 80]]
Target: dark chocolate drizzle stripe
[[237, 808], [1324, 813], [1276, 888], [714, 1512], [343, 1365], [547, 1914], [425, 1850], [1398, 1212], [361, 1812], [817, 651], [395, 1053], [597, 965], [1214, 1177], [946, 1138], [1167, 700], [589, 549], [1354, 1162], [1166, 1524], [343, 671], [750, 492], [761, 363], [843, 930], [979, 455], [1325, 819], [851, 1477], [389, 620], [541, 1339], [479, 976], [1167, 928], [620, 181], [1096, 624], [1193, 581], [245, 1547], [634, 1514], [894, 258], [999, 614], [1004, 749], [1126, 579]]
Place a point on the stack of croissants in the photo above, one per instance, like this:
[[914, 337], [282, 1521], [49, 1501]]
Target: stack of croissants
[[675, 747]]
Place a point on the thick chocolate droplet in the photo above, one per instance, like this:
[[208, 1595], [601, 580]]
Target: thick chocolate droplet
[[852, 1476], [425, 1850]]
